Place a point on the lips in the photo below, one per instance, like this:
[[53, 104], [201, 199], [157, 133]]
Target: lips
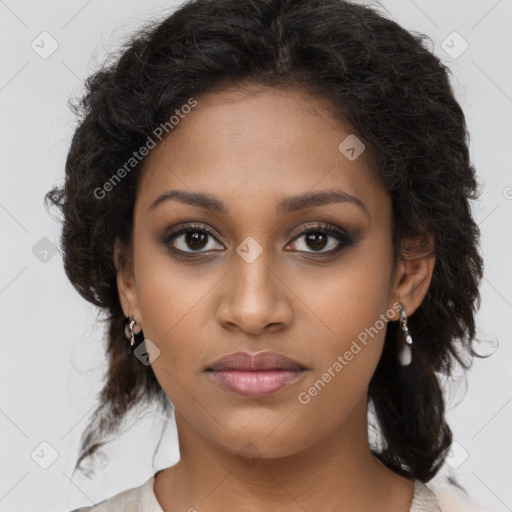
[[255, 375], [243, 361]]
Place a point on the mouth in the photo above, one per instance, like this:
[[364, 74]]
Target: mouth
[[255, 375]]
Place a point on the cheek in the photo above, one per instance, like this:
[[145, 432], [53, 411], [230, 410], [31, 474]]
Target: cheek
[[166, 287], [343, 368], [348, 298], [170, 301], [341, 378], [351, 306]]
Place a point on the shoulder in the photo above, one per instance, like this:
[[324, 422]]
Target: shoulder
[[442, 498], [424, 499], [452, 499], [126, 501]]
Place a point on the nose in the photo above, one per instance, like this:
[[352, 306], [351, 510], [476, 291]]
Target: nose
[[255, 299]]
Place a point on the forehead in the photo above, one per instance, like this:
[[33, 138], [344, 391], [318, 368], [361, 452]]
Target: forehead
[[252, 146]]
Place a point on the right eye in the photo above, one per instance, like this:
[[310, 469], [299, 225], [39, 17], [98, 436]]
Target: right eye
[[190, 239]]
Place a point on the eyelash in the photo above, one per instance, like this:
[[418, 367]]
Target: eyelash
[[344, 239]]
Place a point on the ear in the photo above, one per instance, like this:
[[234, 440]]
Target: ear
[[413, 274], [126, 288]]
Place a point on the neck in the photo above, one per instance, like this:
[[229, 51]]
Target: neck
[[337, 473]]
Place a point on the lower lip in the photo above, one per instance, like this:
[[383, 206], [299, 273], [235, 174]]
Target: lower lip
[[256, 383]]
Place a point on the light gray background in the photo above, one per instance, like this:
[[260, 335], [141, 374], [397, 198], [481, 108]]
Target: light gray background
[[52, 348]]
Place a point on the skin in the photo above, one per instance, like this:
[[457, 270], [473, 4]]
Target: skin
[[250, 151]]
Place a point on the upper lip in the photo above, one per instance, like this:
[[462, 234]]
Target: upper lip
[[267, 360]]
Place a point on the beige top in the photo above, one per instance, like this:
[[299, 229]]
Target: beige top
[[143, 499]]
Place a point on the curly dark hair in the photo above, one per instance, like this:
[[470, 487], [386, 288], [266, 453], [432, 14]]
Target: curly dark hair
[[397, 97]]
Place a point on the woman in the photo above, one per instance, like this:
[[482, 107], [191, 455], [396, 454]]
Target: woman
[[270, 201]]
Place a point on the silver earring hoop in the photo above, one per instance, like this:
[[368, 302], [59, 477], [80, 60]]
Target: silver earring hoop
[[405, 354], [135, 338]]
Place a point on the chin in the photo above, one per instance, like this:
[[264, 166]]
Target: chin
[[264, 446]]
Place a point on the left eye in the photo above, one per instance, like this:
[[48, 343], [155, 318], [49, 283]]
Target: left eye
[[323, 240]]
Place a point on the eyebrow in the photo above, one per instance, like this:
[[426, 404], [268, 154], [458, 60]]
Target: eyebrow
[[286, 205]]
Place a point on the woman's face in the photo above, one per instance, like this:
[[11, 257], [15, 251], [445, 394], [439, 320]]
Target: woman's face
[[252, 282]]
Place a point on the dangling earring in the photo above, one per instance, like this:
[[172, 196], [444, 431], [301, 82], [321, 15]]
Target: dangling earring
[[132, 336], [405, 355]]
